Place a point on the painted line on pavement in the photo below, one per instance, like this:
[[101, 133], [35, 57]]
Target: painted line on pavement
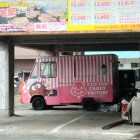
[[115, 133], [63, 125]]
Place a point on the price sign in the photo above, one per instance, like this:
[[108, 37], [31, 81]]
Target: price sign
[[104, 15]]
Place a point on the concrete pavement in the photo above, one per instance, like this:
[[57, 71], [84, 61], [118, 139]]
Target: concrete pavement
[[71, 123]]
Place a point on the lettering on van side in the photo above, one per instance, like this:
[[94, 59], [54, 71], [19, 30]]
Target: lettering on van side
[[97, 89]]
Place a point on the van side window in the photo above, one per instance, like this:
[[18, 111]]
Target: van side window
[[48, 69], [34, 72], [104, 69]]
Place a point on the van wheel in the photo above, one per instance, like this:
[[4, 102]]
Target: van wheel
[[38, 103], [89, 104]]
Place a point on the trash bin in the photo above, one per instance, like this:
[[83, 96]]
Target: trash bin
[[124, 104]]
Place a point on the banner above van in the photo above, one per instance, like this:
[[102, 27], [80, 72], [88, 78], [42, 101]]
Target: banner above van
[[69, 15]]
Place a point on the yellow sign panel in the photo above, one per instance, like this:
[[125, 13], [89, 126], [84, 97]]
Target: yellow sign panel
[[103, 15], [105, 27]]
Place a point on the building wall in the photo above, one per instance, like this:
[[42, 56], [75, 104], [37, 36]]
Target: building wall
[[25, 53], [128, 63], [24, 59], [23, 65]]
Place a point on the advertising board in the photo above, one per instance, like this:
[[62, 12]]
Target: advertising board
[[104, 15], [69, 15]]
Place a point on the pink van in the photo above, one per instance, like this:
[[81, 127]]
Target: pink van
[[65, 80]]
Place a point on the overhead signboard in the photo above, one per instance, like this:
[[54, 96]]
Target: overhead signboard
[[69, 15], [104, 15], [33, 15]]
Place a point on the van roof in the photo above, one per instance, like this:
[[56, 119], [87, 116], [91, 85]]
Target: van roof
[[78, 55]]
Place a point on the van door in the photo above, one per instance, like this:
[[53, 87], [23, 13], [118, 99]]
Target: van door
[[48, 72]]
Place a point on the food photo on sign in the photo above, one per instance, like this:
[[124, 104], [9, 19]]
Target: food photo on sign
[[21, 15]]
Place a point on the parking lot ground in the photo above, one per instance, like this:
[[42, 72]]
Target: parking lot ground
[[65, 123]]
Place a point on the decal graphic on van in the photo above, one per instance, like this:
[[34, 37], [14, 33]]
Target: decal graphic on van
[[37, 89], [78, 89]]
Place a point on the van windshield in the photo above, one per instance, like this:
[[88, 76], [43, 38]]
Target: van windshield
[[34, 72]]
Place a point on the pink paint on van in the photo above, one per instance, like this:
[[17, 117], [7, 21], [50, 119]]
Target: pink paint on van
[[72, 79]]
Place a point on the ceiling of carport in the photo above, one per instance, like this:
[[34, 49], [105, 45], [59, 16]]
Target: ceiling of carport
[[115, 41]]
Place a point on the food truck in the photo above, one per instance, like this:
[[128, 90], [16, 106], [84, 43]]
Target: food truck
[[65, 80]]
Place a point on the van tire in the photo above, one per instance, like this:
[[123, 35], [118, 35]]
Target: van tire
[[89, 104], [38, 103]]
